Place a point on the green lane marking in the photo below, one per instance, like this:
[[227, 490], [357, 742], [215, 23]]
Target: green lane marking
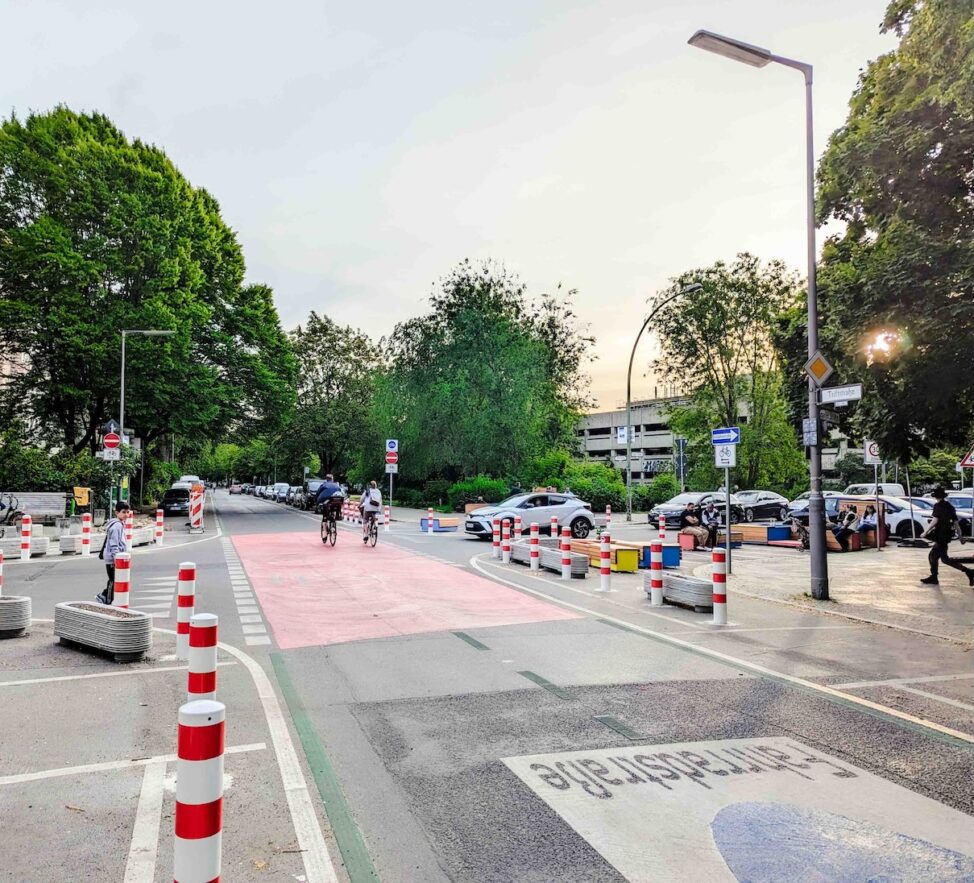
[[473, 642], [615, 724], [876, 713], [544, 682], [358, 862]]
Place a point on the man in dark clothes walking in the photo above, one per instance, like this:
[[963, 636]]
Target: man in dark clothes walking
[[941, 531]]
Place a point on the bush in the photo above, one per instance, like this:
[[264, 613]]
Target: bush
[[435, 490], [548, 470], [597, 484], [410, 498], [662, 488], [491, 490]]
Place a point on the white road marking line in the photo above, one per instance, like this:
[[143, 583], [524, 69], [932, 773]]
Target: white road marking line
[[945, 699], [99, 674], [250, 617], [113, 765], [782, 628], [257, 639], [930, 679], [246, 610], [254, 630], [743, 663], [141, 864], [138, 605]]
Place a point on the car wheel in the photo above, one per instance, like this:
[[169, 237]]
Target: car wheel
[[749, 515], [735, 517], [580, 529], [782, 514], [903, 530]]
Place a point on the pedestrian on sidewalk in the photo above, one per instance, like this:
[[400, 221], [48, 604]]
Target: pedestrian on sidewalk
[[113, 544], [941, 531], [711, 521], [690, 524]]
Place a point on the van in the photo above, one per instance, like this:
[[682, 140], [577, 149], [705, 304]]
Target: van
[[886, 489]]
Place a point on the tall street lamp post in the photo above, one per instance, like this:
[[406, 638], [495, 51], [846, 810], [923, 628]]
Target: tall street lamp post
[[688, 289], [758, 57]]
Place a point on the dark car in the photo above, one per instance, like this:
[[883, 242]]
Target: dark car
[[672, 509], [800, 511], [310, 492], [759, 505], [175, 501]]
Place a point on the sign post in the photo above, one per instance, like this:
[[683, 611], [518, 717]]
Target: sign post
[[392, 466], [872, 457], [725, 441]]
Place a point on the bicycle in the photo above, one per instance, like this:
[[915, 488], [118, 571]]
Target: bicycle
[[329, 523], [10, 514], [373, 528]]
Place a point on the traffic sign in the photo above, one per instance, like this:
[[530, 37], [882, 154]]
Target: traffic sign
[[111, 440], [111, 426], [818, 368], [968, 461], [392, 445], [392, 469], [870, 453], [725, 456], [850, 393], [726, 435], [110, 454], [392, 457], [809, 432]]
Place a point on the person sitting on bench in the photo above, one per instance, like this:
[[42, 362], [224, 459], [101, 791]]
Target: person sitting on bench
[[868, 522], [710, 518], [844, 527], [690, 524]]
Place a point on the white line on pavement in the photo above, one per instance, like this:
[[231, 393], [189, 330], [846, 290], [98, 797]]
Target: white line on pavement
[[945, 699], [777, 628], [141, 864], [930, 679], [100, 674]]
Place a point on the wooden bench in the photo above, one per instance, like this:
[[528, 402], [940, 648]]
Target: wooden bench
[[42, 506], [832, 544], [623, 557]]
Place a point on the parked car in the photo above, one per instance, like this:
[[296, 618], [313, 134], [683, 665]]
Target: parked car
[[311, 487], [259, 490], [292, 491], [235, 489], [890, 489], [191, 479], [673, 508], [175, 501], [279, 492], [570, 511], [802, 499], [763, 504]]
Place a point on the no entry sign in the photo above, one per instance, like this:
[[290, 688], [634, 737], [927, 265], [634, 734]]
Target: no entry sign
[[392, 457], [111, 440]]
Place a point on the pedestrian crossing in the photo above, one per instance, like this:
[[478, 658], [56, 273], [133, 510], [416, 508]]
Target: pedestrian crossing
[[154, 595], [251, 621]]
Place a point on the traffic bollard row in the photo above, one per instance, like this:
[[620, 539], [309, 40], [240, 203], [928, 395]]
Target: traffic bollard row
[[662, 528], [201, 680], [160, 526], [495, 538], [386, 519], [186, 601], [506, 547], [129, 531], [608, 516], [605, 564], [429, 521]]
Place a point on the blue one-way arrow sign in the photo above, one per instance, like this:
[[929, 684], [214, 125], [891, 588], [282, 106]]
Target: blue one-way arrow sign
[[726, 435]]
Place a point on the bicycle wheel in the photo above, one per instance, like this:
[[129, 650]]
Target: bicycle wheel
[[373, 532], [332, 532], [324, 530]]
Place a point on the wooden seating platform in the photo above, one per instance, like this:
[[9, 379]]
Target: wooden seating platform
[[441, 524], [624, 557]]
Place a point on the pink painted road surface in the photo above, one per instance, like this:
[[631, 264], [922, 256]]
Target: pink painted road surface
[[314, 595]]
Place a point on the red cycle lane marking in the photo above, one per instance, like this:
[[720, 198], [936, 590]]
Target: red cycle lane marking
[[312, 595]]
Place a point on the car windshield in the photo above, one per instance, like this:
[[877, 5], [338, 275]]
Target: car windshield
[[515, 501], [683, 499], [177, 494], [920, 503], [747, 496]]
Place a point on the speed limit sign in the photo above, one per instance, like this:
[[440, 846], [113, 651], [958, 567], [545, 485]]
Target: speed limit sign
[[870, 453]]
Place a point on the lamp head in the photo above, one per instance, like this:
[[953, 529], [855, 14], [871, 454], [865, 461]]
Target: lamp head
[[731, 48]]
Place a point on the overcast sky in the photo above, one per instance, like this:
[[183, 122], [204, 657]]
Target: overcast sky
[[363, 149]]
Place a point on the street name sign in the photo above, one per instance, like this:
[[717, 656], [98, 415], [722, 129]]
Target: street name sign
[[849, 393], [725, 456], [726, 435]]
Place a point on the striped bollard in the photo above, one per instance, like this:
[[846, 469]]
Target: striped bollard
[[605, 564], [554, 526], [662, 528], [26, 527], [85, 534], [518, 527], [196, 513], [656, 574], [129, 531], [429, 521], [496, 538], [506, 546], [123, 579], [201, 680], [566, 552], [197, 850], [160, 526], [608, 516], [1, 573], [535, 546], [386, 518], [720, 587], [186, 601]]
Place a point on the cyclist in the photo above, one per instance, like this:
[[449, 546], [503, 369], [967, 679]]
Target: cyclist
[[329, 497], [371, 505]]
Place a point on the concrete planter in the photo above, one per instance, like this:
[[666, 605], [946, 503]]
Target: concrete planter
[[10, 546], [124, 634], [685, 591], [14, 616], [550, 557], [71, 544]]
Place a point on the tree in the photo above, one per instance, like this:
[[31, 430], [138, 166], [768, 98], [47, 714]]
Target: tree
[[99, 233], [719, 342], [900, 176]]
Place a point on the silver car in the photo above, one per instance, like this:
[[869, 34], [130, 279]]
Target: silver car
[[537, 507]]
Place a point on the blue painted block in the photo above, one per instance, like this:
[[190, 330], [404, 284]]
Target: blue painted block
[[672, 554], [437, 528], [777, 532]]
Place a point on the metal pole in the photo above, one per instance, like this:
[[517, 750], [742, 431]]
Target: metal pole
[[121, 398], [879, 548], [727, 520]]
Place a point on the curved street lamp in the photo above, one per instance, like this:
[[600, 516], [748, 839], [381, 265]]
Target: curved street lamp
[[687, 289]]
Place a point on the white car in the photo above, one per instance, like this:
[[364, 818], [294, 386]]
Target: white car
[[539, 507], [922, 512]]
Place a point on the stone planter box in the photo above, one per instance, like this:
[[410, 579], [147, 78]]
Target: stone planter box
[[550, 557], [71, 544], [10, 546], [685, 591], [14, 616], [124, 634]]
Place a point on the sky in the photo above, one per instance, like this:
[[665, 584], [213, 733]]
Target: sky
[[362, 150]]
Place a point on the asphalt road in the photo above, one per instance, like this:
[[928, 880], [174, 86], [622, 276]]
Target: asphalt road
[[461, 720]]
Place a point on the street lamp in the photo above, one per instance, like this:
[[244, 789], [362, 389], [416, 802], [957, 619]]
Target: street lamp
[[125, 333], [687, 289], [755, 56]]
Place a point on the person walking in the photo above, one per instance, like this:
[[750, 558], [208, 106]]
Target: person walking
[[113, 544], [690, 524], [371, 504], [941, 531]]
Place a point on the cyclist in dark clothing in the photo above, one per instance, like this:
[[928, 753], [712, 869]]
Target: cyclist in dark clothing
[[329, 497], [941, 531]]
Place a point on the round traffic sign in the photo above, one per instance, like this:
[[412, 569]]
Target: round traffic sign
[[111, 440], [873, 449], [392, 457]]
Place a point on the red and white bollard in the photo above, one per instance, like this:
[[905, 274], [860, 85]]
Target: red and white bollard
[[196, 512], [26, 527], [197, 851], [123, 579], [496, 538], [662, 528], [129, 531], [608, 516], [506, 545], [518, 527], [554, 527], [656, 574], [201, 681], [1, 573], [720, 587], [566, 552], [386, 519], [535, 546], [186, 601], [605, 564], [160, 526], [85, 534], [429, 521]]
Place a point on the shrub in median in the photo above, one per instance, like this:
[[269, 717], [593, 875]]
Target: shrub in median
[[491, 490]]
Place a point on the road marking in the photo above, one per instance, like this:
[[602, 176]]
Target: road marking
[[472, 641], [783, 628], [243, 609], [930, 679], [100, 674], [560, 692], [113, 765], [944, 734], [250, 618], [945, 699], [141, 864], [257, 640], [622, 729], [254, 629]]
